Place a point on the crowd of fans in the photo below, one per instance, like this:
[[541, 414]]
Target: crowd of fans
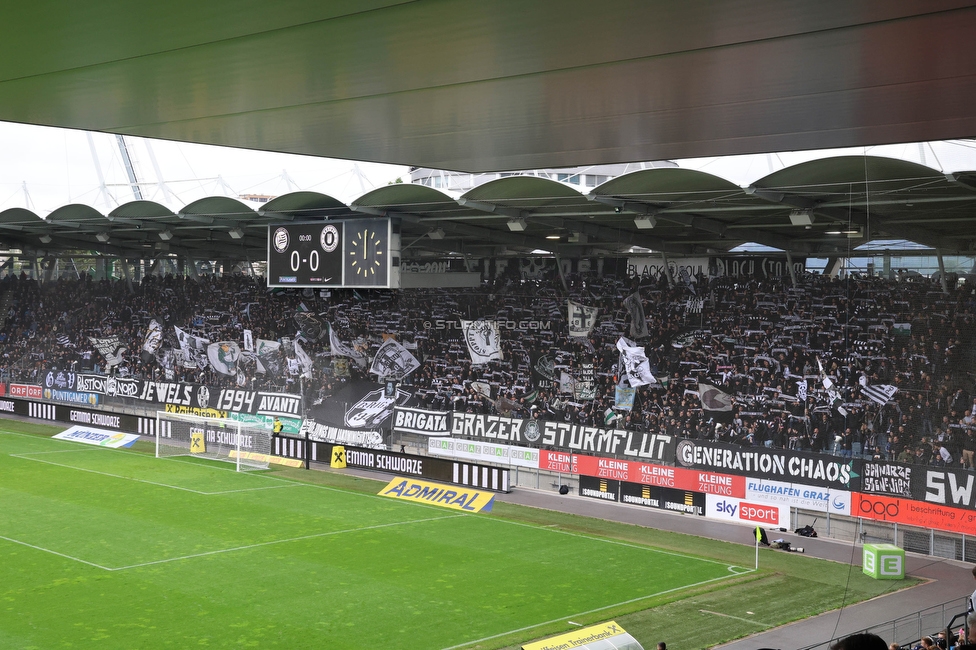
[[768, 344]]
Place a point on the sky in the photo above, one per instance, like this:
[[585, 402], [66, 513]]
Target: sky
[[44, 168]]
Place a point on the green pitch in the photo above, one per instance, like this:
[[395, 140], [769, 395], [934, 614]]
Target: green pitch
[[105, 549]]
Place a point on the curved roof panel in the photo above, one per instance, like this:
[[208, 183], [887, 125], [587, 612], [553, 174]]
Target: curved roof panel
[[20, 217], [141, 210], [217, 206], [303, 205], [77, 213], [665, 184]]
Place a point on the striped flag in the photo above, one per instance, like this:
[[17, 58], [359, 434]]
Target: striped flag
[[880, 394]]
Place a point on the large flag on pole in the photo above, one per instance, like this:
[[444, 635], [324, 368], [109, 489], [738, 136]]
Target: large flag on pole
[[638, 322], [393, 361], [483, 341], [715, 403], [634, 364], [880, 394], [223, 357], [582, 319], [109, 347], [340, 349]]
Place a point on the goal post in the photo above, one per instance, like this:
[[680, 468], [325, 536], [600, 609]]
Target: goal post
[[178, 434]]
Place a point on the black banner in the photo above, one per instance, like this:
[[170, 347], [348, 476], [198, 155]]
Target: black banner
[[637, 445], [360, 405], [664, 498], [421, 422], [599, 488], [761, 462], [484, 477], [892, 479], [945, 486]]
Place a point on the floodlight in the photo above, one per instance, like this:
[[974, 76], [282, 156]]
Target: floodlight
[[801, 218], [645, 222], [517, 225], [436, 233], [166, 235], [236, 233], [45, 239], [102, 237]]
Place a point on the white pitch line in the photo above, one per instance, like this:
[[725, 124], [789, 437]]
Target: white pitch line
[[141, 480], [283, 541], [47, 550], [56, 451], [578, 614], [738, 618]]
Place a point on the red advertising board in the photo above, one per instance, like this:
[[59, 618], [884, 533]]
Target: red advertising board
[[25, 390], [644, 473], [913, 513], [3, 390]]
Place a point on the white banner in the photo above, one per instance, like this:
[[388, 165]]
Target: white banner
[[393, 360], [484, 343], [582, 319], [248, 341], [339, 436], [483, 452], [750, 513], [98, 437], [807, 497]]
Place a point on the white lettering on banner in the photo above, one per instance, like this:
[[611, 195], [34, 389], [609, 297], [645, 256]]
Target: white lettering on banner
[[157, 391], [483, 452], [690, 454], [950, 488], [384, 462], [258, 403], [6, 405], [101, 419], [635, 444], [427, 423], [230, 438], [336, 435], [745, 512], [98, 437], [492, 427]]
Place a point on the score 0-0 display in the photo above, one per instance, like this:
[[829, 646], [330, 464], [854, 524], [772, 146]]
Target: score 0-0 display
[[353, 253]]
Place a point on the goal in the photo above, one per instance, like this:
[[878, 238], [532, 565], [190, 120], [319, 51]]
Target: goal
[[177, 434]]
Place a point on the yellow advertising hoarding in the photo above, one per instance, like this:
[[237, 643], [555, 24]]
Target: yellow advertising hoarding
[[456, 497]]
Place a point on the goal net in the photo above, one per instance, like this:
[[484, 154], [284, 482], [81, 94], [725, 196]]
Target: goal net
[[248, 447]]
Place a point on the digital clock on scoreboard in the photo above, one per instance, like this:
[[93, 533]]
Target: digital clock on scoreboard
[[353, 253]]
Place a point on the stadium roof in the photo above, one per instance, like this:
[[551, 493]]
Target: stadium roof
[[500, 84], [821, 208]]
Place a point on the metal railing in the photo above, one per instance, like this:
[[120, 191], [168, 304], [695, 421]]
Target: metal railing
[[908, 630]]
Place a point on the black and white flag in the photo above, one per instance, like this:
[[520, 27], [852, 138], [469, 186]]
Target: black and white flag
[[109, 347], [154, 338], [880, 394], [304, 360], [715, 403], [634, 364], [638, 322], [64, 341], [484, 343], [393, 361], [582, 319], [194, 349], [268, 357], [340, 349]]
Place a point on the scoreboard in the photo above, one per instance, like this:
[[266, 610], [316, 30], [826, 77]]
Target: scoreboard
[[352, 253]]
